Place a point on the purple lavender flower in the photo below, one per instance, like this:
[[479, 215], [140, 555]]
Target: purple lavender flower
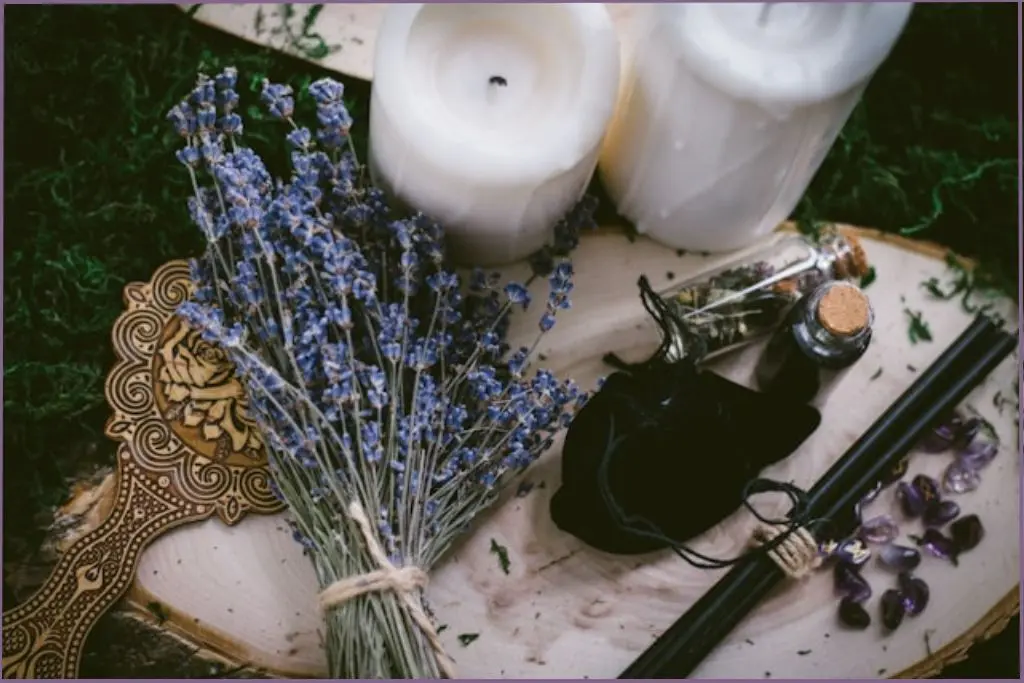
[[183, 119], [278, 100], [517, 294], [375, 372]]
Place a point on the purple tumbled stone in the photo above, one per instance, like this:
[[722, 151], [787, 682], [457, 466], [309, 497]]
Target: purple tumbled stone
[[959, 478], [893, 609], [978, 454], [967, 532], [852, 551], [967, 431], [941, 512], [899, 557], [941, 437], [896, 473], [927, 487], [937, 544], [910, 499], [853, 614], [849, 583], [879, 530], [914, 593]]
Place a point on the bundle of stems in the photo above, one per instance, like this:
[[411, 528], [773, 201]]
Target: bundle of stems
[[392, 408]]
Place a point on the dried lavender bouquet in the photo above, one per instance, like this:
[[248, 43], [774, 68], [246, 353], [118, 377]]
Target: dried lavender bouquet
[[392, 409]]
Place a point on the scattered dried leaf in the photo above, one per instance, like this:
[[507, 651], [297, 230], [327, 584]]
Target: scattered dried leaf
[[918, 329], [502, 553], [933, 287], [868, 277], [928, 641], [524, 488]]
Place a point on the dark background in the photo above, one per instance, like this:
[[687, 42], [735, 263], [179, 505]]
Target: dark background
[[94, 199]]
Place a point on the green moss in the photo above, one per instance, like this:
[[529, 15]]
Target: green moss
[[94, 199], [931, 151]]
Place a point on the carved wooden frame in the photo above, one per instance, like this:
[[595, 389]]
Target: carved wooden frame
[[188, 451]]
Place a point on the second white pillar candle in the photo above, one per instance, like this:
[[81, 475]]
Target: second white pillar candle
[[729, 109]]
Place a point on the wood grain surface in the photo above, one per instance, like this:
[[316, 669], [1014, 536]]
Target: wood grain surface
[[564, 610]]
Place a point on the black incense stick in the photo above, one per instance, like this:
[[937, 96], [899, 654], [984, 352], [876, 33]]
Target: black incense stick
[[945, 384], [1002, 346], [951, 363], [982, 338]]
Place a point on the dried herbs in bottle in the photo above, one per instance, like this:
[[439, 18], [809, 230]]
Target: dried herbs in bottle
[[748, 298], [825, 333]]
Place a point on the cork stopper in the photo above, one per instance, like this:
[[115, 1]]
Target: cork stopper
[[844, 310], [853, 264]]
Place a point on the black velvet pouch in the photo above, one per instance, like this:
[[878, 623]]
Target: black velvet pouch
[[686, 444]]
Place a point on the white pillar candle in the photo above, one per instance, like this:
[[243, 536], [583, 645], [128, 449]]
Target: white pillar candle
[[729, 110], [489, 118]]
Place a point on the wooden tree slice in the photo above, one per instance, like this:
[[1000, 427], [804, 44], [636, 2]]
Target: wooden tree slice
[[341, 37], [568, 611]]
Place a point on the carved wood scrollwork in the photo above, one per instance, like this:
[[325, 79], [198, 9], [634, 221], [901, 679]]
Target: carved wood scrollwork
[[188, 451]]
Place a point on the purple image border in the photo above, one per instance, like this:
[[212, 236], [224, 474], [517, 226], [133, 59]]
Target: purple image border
[[1020, 262], [1020, 221], [1020, 277]]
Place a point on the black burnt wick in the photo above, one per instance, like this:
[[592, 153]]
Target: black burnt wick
[[497, 80]]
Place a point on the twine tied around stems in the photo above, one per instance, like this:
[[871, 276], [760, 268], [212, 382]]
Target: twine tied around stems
[[406, 582], [797, 554]]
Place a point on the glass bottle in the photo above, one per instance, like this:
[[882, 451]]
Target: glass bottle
[[748, 298], [823, 335]]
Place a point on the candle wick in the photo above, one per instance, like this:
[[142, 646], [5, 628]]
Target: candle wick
[[497, 80]]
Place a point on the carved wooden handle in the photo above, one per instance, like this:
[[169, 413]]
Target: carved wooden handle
[[44, 637]]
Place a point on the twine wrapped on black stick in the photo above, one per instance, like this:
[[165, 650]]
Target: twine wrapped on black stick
[[947, 382]]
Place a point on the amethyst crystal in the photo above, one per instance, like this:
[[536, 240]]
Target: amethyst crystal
[[893, 609], [927, 487], [852, 551], [938, 544], [826, 549], [960, 478], [899, 557], [978, 454], [896, 473], [966, 432], [853, 614], [911, 500], [878, 530], [967, 533], [914, 594], [941, 512], [850, 584], [942, 436]]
